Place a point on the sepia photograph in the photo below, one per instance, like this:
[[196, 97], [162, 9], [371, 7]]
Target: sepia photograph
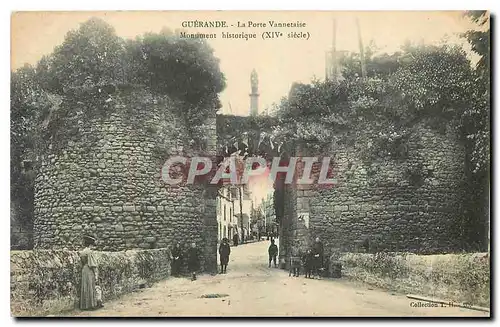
[[250, 164]]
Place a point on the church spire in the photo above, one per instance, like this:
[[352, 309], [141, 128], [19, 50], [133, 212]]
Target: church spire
[[254, 96]]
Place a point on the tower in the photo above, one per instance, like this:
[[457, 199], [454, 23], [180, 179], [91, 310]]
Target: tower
[[254, 96]]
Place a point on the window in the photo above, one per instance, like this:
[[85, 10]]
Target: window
[[224, 212], [234, 194], [230, 214]]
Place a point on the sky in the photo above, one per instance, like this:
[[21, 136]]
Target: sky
[[278, 62]]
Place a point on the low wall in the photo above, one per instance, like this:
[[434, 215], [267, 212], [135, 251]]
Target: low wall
[[463, 278], [48, 281]]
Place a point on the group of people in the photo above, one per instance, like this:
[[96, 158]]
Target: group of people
[[311, 261], [91, 294], [90, 290], [193, 260]]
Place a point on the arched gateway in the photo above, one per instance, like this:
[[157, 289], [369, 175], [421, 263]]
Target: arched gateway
[[105, 180], [412, 206]]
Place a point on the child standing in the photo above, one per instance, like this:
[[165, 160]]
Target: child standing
[[98, 295], [295, 262], [273, 252], [308, 263]]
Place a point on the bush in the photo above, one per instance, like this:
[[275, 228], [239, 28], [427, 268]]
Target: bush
[[459, 278]]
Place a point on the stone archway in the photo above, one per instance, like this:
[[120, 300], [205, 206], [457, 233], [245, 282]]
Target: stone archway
[[373, 199], [250, 136]]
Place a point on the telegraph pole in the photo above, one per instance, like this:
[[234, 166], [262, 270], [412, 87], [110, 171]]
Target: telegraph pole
[[361, 51], [331, 56], [334, 50], [264, 203]]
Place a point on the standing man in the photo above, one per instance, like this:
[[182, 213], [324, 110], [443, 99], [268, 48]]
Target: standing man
[[273, 252], [317, 253], [193, 260], [176, 259], [235, 239], [308, 263], [224, 252]]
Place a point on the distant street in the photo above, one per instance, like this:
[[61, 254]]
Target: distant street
[[253, 289]]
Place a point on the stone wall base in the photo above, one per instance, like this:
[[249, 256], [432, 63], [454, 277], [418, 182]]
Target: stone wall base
[[47, 282]]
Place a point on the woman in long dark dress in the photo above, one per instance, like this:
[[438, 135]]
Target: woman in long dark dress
[[88, 298], [176, 259], [193, 260], [317, 252]]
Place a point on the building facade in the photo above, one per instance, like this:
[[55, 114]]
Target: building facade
[[243, 214], [226, 221]]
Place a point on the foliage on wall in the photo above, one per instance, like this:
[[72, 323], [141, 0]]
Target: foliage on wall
[[75, 84], [93, 62], [434, 85]]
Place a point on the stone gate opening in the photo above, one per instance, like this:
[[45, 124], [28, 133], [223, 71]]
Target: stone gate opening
[[105, 180], [375, 205]]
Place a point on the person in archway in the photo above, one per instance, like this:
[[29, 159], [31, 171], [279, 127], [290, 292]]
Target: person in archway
[[224, 252], [317, 252], [295, 262], [235, 239], [308, 263], [176, 259], [273, 253], [193, 260]]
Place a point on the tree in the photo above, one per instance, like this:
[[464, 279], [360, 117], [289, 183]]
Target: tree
[[184, 69], [91, 62], [480, 42], [28, 102], [89, 57], [476, 128], [476, 119], [435, 80]]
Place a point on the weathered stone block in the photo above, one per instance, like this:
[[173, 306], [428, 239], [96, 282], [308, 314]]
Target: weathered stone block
[[128, 208]]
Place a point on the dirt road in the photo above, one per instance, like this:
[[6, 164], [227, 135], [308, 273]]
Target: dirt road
[[253, 289]]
